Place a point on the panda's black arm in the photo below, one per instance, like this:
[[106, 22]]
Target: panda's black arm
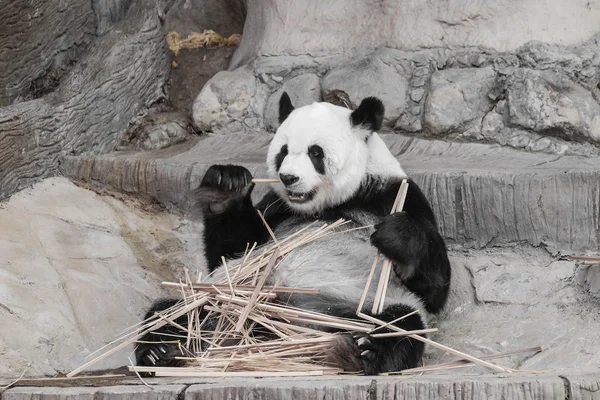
[[228, 233], [412, 241]]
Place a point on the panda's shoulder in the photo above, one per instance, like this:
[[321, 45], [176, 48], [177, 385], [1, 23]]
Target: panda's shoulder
[[378, 194]]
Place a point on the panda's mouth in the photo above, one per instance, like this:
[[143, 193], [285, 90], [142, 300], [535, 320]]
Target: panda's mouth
[[295, 197]]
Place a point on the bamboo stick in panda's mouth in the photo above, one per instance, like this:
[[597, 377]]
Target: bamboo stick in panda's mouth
[[265, 180]]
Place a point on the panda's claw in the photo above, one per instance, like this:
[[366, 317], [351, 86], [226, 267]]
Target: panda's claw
[[356, 352], [161, 355]]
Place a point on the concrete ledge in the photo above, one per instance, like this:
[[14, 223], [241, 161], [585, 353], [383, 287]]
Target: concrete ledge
[[158, 392], [550, 386], [482, 194]]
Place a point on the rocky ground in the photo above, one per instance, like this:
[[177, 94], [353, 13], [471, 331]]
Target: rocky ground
[[77, 269]]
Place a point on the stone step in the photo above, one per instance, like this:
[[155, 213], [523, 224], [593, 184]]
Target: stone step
[[549, 386], [483, 195]]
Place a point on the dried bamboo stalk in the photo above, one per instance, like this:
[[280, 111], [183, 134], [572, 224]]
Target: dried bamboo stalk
[[405, 333], [386, 268], [586, 258], [213, 287], [466, 363], [361, 303], [265, 180], [164, 371]]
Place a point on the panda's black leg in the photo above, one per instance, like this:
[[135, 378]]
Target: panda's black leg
[[161, 347], [419, 256], [363, 352]]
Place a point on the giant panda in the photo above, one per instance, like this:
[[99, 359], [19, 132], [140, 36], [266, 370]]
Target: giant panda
[[331, 164]]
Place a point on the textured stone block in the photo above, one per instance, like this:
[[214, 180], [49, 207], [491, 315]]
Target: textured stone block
[[550, 104], [458, 99], [371, 77]]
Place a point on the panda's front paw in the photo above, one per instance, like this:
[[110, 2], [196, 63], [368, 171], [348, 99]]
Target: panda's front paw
[[356, 352], [223, 185], [161, 354], [233, 179], [398, 238]]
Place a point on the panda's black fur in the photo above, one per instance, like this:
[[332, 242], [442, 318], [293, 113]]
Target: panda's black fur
[[409, 238]]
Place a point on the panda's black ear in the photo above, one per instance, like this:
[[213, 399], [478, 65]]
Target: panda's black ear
[[369, 114], [285, 107]]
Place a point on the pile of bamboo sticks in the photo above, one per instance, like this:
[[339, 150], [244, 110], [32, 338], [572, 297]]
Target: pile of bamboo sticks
[[252, 334]]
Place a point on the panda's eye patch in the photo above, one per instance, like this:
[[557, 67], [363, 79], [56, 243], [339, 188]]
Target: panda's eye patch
[[282, 154], [317, 156], [316, 151]]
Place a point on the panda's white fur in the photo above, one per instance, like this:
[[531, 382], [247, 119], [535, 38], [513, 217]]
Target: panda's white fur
[[356, 178], [349, 155]]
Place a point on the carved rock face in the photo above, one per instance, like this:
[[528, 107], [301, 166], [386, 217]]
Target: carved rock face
[[311, 26], [552, 105]]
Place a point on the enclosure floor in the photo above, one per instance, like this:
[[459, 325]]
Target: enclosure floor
[[542, 386]]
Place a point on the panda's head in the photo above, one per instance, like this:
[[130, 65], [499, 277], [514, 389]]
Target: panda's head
[[320, 152]]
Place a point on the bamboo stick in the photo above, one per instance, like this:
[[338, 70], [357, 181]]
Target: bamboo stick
[[164, 371], [386, 268], [265, 180], [466, 363], [274, 343], [243, 288], [405, 333], [361, 303]]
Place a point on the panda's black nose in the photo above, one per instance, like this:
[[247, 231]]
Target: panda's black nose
[[288, 179]]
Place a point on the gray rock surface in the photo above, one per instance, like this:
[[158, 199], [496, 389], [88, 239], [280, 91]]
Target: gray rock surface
[[483, 195], [303, 90], [156, 130], [548, 386], [109, 12], [77, 269], [582, 385], [396, 388], [51, 33], [507, 299], [230, 101], [123, 72], [371, 77], [589, 277], [156, 392], [458, 99], [343, 26], [549, 104]]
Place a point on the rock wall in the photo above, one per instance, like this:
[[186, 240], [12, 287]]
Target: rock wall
[[540, 97], [338, 26], [123, 72]]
